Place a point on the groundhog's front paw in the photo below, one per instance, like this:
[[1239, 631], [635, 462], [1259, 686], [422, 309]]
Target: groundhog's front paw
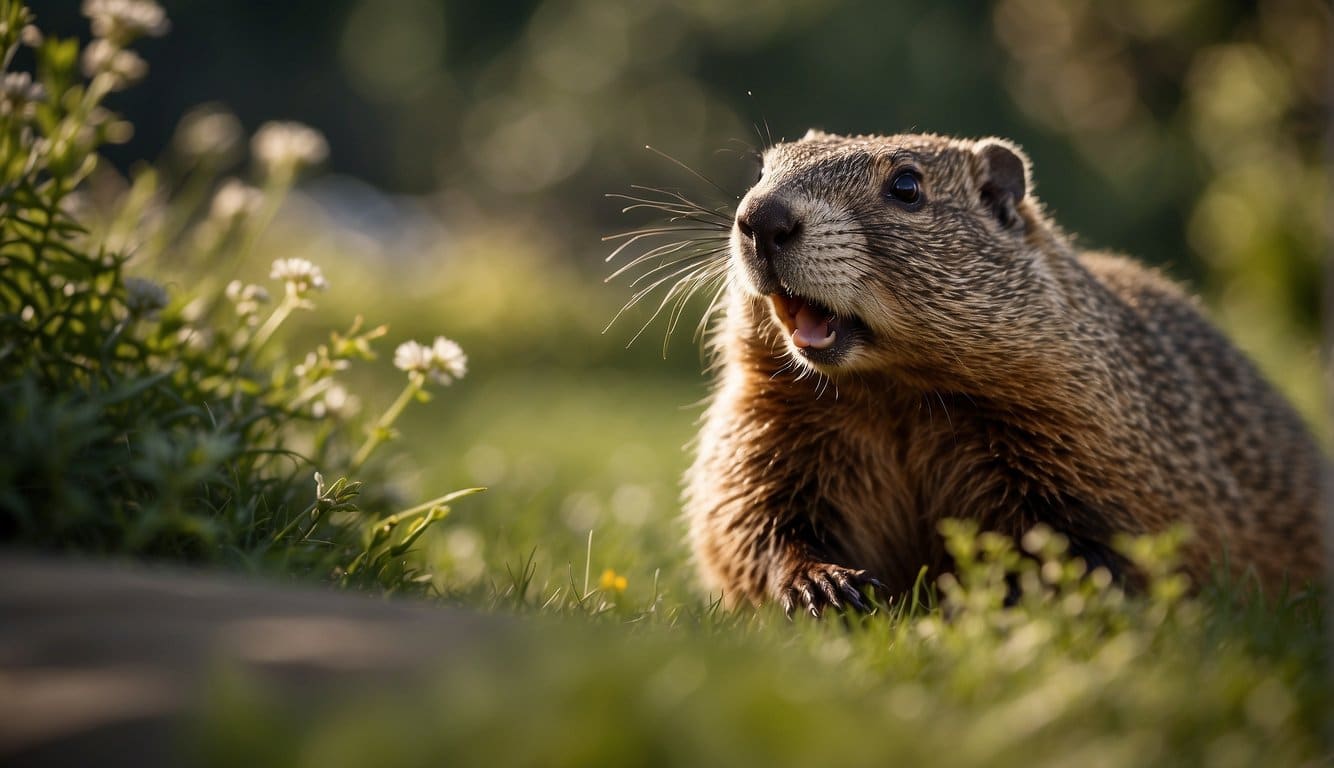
[[815, 586]]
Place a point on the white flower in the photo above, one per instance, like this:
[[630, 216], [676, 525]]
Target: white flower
[[19, 95], [319, 364], [208, 133], [124, 67], [306, 366], [30, 36], [300, 275], [234, 200], [450, 357], [144, 297], [123, 20], [336, 401], [247, 299], [444, 361], [411, 356], [286, 145]]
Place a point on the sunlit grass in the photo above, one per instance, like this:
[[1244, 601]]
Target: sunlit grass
[[1073, 671]]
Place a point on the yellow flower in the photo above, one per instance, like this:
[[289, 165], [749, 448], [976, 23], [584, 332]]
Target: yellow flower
[[612, 581]]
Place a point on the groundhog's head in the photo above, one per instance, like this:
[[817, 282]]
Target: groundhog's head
[[903, 252]]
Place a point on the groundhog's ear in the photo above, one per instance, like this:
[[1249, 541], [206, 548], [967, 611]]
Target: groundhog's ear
[[1003, 178], [813, 134]]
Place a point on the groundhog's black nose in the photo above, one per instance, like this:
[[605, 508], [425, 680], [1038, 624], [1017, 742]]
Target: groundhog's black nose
[[769, 222]]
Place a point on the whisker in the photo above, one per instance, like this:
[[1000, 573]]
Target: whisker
[[767, 132], [666, 299], [680, 213], [660, 251], [681, 257], [639, 296], [659, 231], [642, 292], [645, 235], [672, 263], [683, 217], [703, 324], [750, 148], [665, 265], [687, 168], [702, 279], [681, 199], [692, 283]]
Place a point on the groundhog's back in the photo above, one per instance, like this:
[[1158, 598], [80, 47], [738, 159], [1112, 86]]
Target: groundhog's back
[[1245, 468]]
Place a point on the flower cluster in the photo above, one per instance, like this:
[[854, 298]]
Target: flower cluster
[[122, 21], [444, 361], [122, 66], [30, 36], [335, 402], [19, 95], [235, 200], [208, 134], [116, 24], [247, 298], [283, 147], [300, 275], [143, 298], [320, 364]]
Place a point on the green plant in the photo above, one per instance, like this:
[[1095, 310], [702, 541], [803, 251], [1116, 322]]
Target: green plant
[[160, 417]]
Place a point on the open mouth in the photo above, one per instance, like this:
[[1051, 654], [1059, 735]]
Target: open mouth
[[815, 330]]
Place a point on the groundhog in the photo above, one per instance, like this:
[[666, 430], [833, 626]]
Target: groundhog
[[907, 337]]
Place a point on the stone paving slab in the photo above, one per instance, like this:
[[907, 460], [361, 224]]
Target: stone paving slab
[[101, 663]]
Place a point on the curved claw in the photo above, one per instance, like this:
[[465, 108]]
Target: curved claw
[[821, 585], [830, 592], [854, 595], [809, 596]]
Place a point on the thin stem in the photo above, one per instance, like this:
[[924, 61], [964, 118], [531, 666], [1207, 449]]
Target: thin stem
[[379, 432], [588, 560], [311, 392], [426, 506], [189, 199], [294, 522], [275, 192], [280, 313]]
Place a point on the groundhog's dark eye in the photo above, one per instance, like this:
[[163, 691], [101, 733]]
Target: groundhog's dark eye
[[905, 187]]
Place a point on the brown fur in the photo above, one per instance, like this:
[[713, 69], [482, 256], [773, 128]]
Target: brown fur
[[1003, 376]]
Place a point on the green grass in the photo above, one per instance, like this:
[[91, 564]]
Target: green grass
[[596, 452], [1074, 674]]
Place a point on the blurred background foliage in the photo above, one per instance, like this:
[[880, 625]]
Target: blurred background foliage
[[471, 146]]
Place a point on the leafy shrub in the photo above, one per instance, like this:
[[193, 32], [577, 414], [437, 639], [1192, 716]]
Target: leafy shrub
[[159, 417]]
